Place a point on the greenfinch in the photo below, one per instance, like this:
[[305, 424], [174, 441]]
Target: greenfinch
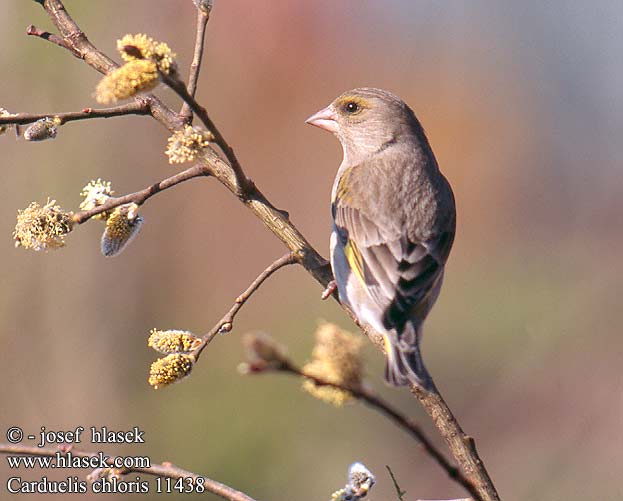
[[394, 221]]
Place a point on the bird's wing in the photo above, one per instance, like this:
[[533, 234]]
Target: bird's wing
[[400, 273]]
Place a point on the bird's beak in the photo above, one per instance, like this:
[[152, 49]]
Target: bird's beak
[[324, 119]]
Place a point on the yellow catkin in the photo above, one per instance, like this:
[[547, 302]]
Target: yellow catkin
[[170, 369], [45, 128], [4, 127], [122, 225], [173, 341], [338, 495], [96, 193], [139, 75], [141, 46], [185, 145], [42, 228], [335, 359], [137, 46], [360, 482]]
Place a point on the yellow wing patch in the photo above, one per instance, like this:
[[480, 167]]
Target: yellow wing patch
[[355, 261], [343, 192]]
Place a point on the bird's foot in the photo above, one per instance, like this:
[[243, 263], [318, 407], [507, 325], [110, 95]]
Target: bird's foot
[[328, 292]]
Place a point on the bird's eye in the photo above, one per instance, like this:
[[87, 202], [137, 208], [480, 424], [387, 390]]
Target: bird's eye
[[351, 107]]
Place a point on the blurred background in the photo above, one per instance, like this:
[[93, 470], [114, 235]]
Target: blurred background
[[523, 106]]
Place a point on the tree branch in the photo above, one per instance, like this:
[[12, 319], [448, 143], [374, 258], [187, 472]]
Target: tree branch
[[139, 197], [399, 492], [225, 324], [232, 177], [245, 186], [159, 470], [202, 21], [462, 445], [77, 43], [51, 37], [370, 398], [138, 107], [277, 221]]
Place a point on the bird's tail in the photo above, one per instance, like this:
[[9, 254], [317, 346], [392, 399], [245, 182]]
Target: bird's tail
[[405, 364]]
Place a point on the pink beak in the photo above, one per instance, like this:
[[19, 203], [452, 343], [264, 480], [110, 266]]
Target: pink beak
[[324, 119]]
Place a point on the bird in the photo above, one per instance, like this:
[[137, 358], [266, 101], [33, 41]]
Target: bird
[[393, 223]]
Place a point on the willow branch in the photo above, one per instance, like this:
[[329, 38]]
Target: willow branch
[[159, 470], [134, 108], [276, 220], [370, 398], [226, 323], [202, 21], [51, 37], [139, 197], [244, 184], [79, 45], [463, 446], [399, 492], [232, 177]]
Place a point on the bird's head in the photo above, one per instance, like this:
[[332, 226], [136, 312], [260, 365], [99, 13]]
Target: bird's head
[[365, 121]]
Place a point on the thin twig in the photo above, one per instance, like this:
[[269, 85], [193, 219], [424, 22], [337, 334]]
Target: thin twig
[[373, 400], [202, 21], [157, 470], [51, 37], [275, 220], [133, 108], [78, 44], [279, 224], [139, 197], [244, 183], [399, 492], [226, 323]]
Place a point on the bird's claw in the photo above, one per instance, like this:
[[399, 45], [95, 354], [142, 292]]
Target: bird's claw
[[331, 288]]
